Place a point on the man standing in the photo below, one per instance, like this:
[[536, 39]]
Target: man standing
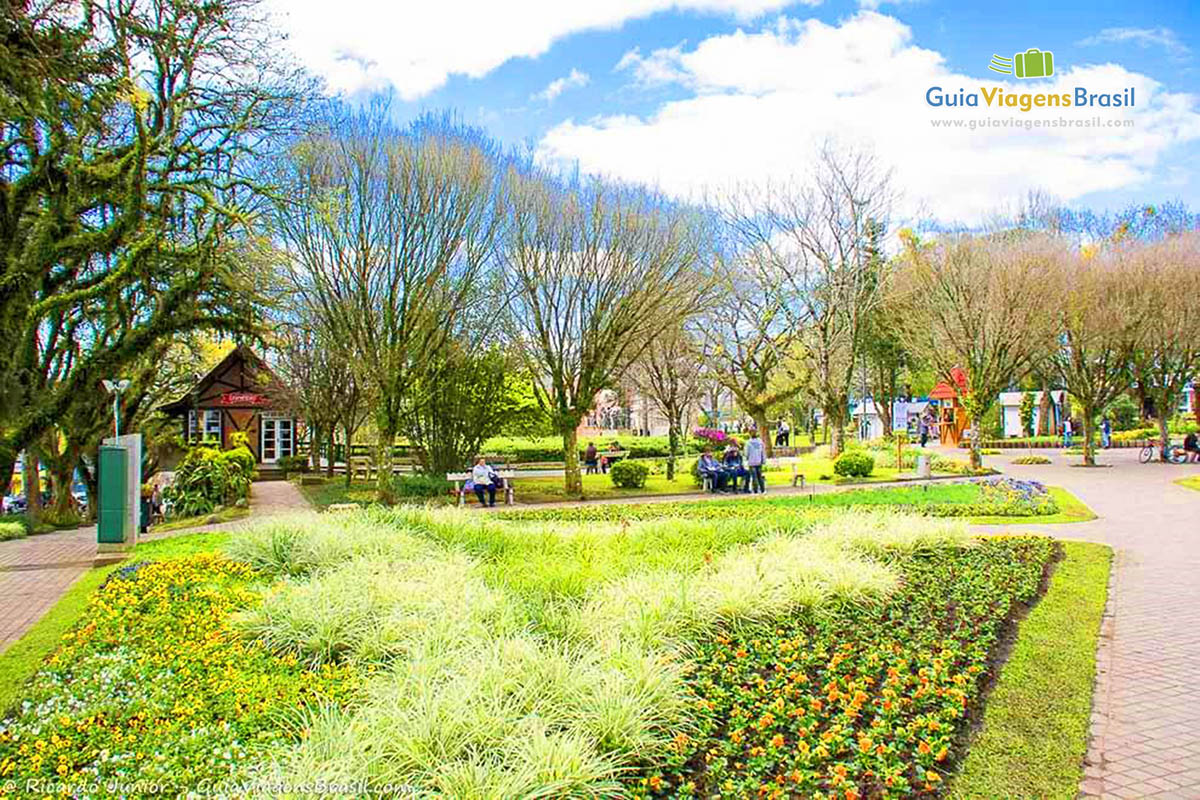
[[1105, 433], [755, 458], [1067, 432]]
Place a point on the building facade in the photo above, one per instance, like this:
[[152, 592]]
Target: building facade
[[239, 395]]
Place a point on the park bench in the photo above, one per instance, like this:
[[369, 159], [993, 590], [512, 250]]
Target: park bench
[[612, 456], [461, 478], [365, 466], [797, 475]]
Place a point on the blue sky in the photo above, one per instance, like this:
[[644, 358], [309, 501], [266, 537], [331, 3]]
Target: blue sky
[[697, 94]]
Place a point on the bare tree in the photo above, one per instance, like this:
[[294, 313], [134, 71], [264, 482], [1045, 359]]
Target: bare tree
[[595, 273], [817, 247], [1104, 310], [1169, 355], [669, 374], [749, 345], [983, 305], [390, 235]]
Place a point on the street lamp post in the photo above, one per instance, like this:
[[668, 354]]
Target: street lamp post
[[115, 388]]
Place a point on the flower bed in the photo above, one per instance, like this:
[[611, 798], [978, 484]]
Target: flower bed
[[156, 689], [871, 701]]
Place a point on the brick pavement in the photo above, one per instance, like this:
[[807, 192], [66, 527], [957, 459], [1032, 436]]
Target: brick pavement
[[1145, 732]]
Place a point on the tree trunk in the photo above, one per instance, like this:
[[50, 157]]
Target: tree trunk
[[672, 444], [1043, 424], [8, 465], [385, 488], [884, 408], [314, 447], [834, 434], [329, 451], [1164, 433], [760, 422], [1089, 448], [33, 485], [573, 478], [62, 504], [346, 454], [976, 456]]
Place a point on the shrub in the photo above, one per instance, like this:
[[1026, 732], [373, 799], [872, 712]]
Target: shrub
[[68, 518], [12, 530], [208, 477], [629, 474], [1031, 460], [422, 486], [854, 464], [290, 464]]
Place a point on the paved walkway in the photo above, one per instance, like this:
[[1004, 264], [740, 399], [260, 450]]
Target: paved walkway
[[37, 570], [1145, 736]]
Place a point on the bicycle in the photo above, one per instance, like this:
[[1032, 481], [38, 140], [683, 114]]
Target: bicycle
[[1175, 454]]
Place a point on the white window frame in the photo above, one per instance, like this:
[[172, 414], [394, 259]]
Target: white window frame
[[212, 423]]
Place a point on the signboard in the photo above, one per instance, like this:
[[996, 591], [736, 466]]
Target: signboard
[[242, 399]]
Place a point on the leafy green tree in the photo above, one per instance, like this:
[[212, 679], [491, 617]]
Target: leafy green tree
[[126, 189], [1026, 413]]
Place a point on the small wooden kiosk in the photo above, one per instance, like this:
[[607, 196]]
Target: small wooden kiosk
[[240, 394], [951, 420]]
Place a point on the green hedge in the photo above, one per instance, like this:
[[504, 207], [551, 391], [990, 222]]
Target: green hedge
[[854, 464], [629, 474]]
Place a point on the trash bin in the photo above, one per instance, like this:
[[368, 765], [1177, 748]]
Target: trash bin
[[923, 468]]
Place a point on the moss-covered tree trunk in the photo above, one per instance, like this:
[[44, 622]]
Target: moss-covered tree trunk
[[331, 443], [1044, 425], [346, 453], [572, 476], [1089, 426], [385, 480], [33, 486]]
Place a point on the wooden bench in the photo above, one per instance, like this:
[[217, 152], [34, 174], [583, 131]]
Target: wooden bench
[[797, 475], [361, 465], [461, 478]]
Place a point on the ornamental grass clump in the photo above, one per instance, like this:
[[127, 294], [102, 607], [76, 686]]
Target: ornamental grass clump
[[300, 544], [373, 611]]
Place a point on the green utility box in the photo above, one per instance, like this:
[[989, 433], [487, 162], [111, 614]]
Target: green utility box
[[113, 518]]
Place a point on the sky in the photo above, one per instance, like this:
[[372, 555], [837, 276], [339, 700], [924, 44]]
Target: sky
[[699, 95]]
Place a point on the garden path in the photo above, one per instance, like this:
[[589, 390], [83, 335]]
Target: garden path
[[37, 570], [1145, 729]]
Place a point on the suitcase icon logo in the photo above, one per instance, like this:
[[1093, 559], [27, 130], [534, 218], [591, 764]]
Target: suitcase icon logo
[[1033, 63]]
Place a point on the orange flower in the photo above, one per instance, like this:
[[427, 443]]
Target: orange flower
[[924, 749], [777, 740], [656, 783], [941, 756], [852, 794]]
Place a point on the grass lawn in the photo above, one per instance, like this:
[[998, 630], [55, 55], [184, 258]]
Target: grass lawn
[[322, 496], [1192, 482], [21, 659], [224, 515], [1035, 725]]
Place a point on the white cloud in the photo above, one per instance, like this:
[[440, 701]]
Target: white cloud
[[415, 47], [1143, 37], [574, 80], [762, 100]]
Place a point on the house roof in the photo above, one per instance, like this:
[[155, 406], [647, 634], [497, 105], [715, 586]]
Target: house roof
[[204, 386]]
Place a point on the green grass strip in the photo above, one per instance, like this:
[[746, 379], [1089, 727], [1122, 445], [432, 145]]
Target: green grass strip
[[22, 658], [1035, 724]]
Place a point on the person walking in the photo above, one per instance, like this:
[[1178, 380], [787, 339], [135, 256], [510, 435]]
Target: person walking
[[1067, 429], [923, 430], [1105, 433], [755, 459], [483, 480]]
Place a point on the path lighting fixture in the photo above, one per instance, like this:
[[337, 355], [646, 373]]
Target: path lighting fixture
[[115, 388]]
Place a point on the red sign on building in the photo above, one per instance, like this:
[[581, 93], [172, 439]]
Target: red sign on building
[[242, 399]]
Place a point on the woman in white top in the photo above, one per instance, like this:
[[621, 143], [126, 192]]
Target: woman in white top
[[481, 479]]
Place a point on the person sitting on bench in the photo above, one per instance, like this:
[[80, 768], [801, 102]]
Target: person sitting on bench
[[710, 467], [484, 478], [735, 468]]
